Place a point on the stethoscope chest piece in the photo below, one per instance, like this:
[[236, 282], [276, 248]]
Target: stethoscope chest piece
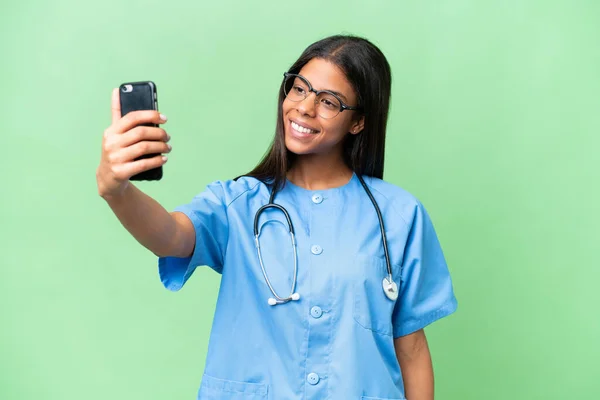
[[390, 288]]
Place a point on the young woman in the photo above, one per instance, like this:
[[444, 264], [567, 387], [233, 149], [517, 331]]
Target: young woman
[[326, 291]]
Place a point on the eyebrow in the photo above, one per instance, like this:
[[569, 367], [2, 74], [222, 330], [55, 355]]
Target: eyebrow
[[338, 93], [327, 90]]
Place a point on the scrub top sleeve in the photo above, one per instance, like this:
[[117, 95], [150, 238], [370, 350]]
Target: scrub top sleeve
[[426, 292], [208, 213]]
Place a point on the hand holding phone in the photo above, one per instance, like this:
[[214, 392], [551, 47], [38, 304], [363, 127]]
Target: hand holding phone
[[136, 96], [132, 145]]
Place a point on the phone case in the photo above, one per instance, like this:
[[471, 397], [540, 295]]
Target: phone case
[[141, 96]]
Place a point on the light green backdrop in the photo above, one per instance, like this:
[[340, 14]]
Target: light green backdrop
[[494, 126]]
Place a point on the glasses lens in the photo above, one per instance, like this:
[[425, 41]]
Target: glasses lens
[[296, 88], [328, 105]]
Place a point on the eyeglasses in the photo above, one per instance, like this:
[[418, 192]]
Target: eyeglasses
[[328, 104]]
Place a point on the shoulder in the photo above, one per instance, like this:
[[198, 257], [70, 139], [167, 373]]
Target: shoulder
[[231, 190], [396, 198]]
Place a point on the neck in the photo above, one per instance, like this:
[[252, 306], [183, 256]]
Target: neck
[[313, 172]]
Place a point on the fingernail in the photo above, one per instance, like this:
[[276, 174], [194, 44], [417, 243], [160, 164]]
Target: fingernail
[[164, 159], [168, 137], [170, 147], [163, 117]]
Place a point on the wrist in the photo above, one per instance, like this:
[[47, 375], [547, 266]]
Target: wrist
[[116, 196]]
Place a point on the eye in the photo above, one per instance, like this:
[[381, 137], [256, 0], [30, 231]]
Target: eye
[[330, 103], [299, 89]]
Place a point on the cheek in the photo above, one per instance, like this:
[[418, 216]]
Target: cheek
[[337, 126], [286, 106]]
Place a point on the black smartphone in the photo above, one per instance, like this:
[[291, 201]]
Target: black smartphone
[[137, 96]]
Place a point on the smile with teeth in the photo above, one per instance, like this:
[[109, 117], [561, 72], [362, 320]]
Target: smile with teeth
[[302, 129]]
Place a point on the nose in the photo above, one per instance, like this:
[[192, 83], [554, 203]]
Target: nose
[[308, 106]]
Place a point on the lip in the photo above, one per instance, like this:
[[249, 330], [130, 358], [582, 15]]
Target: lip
[[301, 136], [304, 125]]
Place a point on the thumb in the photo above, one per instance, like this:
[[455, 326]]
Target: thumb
[[115, 106]]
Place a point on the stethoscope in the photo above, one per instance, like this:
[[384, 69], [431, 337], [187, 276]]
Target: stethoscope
[[389, 286]]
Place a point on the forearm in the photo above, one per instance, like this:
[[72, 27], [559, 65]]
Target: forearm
[[147, 221], [417, 369]]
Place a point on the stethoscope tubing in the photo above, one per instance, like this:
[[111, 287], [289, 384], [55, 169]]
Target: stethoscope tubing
[[294, 296]]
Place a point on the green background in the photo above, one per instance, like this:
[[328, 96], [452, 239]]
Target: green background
[[494, 125]]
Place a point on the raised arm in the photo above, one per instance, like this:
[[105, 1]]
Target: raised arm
[[163, 233]]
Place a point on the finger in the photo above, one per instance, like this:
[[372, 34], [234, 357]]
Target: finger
[[126, 171], [136, 118], [115, 106], [141, 133], [137, 150]]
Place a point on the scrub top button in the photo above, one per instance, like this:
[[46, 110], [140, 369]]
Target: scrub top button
[[313, 378], [317, 198], [316, 312], [316, 249]]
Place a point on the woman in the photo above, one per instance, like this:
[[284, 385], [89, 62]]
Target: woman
[[319, 316]]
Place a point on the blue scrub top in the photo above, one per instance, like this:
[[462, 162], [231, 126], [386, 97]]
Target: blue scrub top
[[337, 341]]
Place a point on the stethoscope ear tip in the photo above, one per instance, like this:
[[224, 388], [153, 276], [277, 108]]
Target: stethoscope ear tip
[[274, 302]]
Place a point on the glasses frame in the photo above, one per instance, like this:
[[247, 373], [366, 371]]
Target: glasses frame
[[343, 106]]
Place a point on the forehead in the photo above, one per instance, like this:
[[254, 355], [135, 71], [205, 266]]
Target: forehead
[[324, 75]]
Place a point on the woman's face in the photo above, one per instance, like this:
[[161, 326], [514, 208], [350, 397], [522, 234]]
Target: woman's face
[[325, 135]]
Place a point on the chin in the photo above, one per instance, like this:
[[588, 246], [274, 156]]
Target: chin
[[295, 147]]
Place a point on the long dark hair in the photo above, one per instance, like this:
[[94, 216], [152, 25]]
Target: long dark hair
[[368, 71]]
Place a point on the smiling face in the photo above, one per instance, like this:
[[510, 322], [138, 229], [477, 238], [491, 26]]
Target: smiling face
[[306, 132]]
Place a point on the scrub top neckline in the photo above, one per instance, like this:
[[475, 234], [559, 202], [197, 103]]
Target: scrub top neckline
[[297, 188]]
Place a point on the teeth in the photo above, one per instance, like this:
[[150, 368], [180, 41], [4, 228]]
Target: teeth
[[301, 128]]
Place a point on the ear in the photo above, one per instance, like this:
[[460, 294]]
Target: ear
[[357, 126]]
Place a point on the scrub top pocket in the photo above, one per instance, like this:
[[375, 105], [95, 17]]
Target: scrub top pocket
[[372, 308], [222, 389]]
